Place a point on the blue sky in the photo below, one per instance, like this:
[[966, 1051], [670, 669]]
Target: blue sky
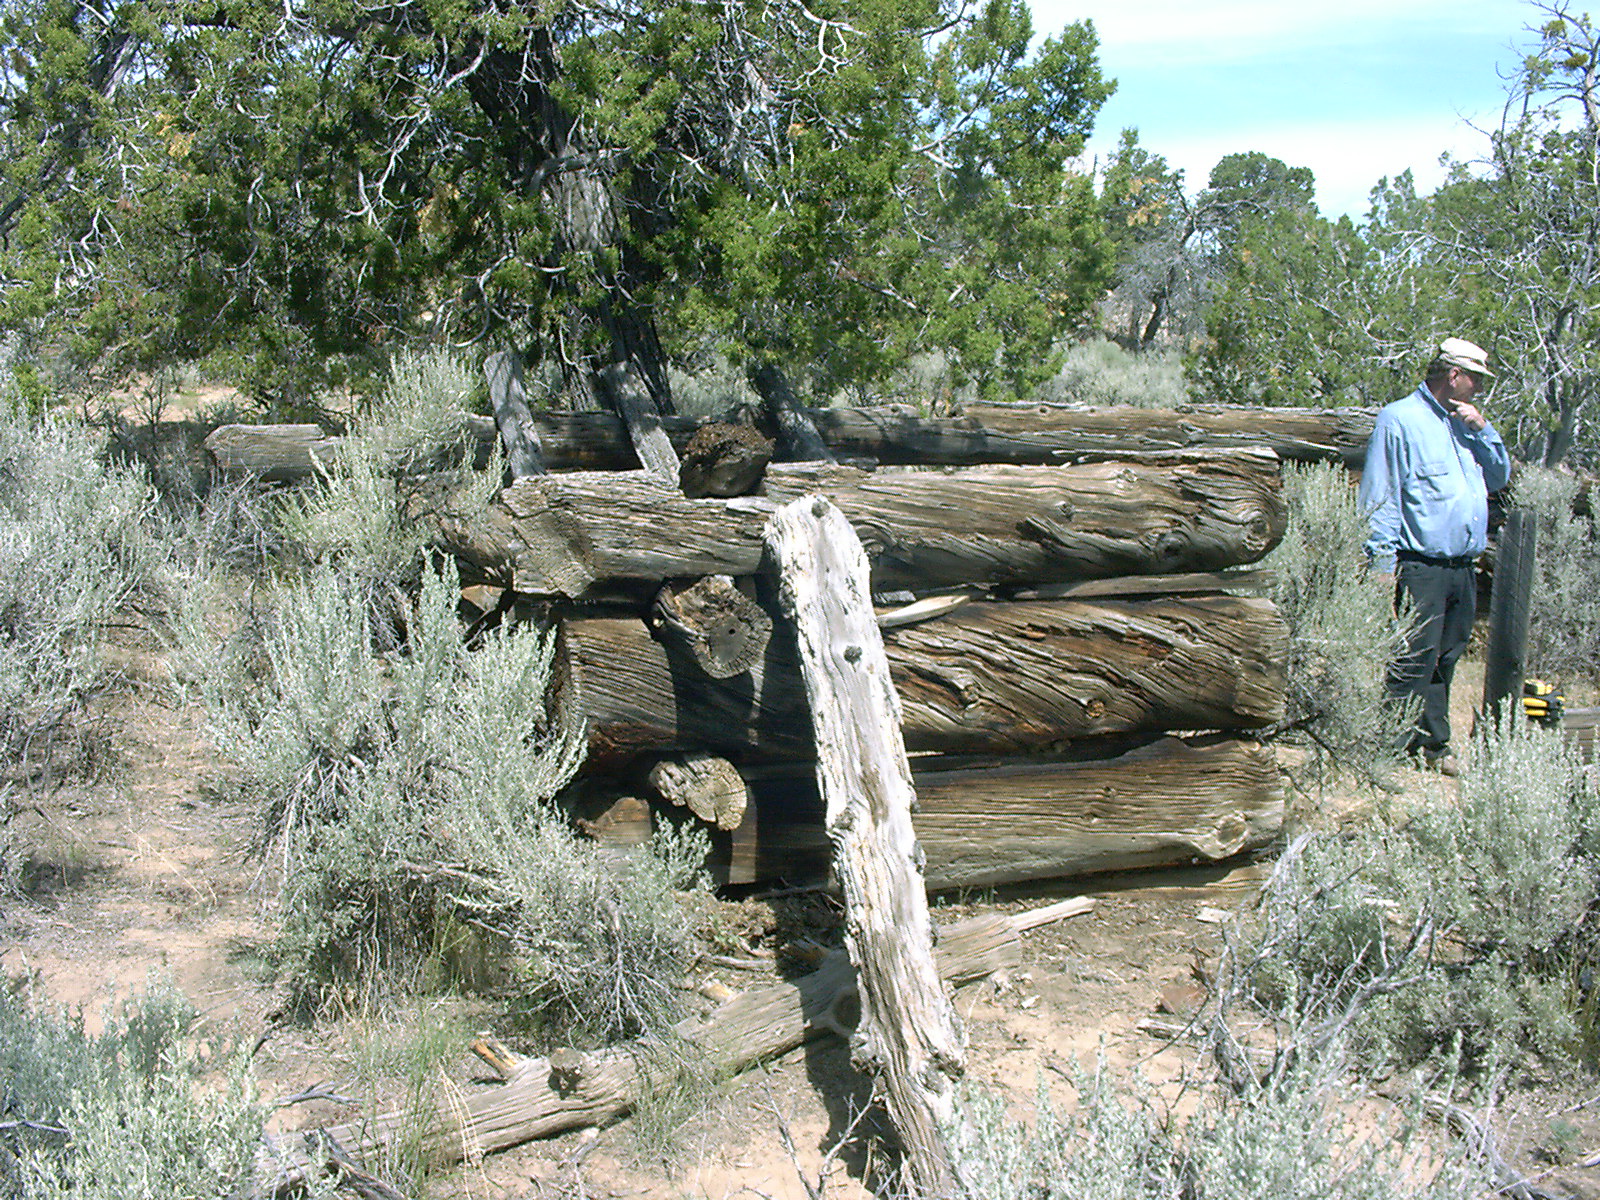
[[1354, 90]]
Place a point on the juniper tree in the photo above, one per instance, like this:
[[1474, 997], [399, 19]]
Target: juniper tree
[[293, 183]]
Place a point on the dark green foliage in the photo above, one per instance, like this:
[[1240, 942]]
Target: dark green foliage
[[1292, 318], [288, 198]]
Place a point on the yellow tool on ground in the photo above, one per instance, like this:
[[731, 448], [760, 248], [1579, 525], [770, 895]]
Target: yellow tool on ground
[[1542, 703]]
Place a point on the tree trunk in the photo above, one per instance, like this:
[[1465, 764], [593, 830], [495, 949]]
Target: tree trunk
[[582, 534], [797, 431], [601, 322], [986, 678], [908, 1034]]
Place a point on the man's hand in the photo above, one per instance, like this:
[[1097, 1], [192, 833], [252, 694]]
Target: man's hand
[[1469, 415]]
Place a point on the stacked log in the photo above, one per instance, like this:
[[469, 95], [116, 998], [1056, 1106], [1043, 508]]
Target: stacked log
[[1019, 434], [581, 536], [1078, 685]]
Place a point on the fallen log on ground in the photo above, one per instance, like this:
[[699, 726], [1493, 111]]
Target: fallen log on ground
[[575, 535], [542, 1098], [1019, 434], [985, 822], [985, 678]]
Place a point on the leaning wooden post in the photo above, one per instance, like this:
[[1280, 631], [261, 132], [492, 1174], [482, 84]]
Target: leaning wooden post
[[524, 455], [631, 401], [908, 1032]]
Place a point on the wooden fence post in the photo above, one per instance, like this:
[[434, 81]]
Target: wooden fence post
[[1506, 654], [908, 1032]]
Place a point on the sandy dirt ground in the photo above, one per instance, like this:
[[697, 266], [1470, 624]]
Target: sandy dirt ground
[[148, 872]]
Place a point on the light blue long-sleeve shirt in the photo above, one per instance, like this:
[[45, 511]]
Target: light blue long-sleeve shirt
[[1427, 481]]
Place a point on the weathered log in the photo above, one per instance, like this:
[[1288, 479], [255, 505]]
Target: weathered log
[[1196, 583], [986, 678], [631, 401], [1044, 433], [1125, 804], [518, 434], [1017, 434], [542, 1098], [723, 460], [572, 535], [908, 1034], [1161, 803], [724, 630], [595, 441], [709, 787]]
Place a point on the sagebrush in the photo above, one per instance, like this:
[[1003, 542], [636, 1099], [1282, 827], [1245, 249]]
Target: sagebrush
[[132, 1113], [1122, 1142], [1101, 372], [1343, 630], [405, 782], [1463, 930], [77, 555], [1564, 607]]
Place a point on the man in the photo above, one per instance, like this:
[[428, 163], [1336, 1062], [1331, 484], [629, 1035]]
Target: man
[[1431, 464]]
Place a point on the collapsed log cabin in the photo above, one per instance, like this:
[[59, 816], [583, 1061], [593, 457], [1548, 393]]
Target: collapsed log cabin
[[1092, 619]]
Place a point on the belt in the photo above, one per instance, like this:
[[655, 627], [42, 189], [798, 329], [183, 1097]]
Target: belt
[[1432, 560]]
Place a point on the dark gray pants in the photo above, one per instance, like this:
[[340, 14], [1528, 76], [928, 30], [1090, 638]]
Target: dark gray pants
[[1443, 601]]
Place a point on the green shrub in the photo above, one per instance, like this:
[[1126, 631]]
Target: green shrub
[[1342, 630], [1463, 930], [406, 795], [125, 1115], [352, 517], [1564, 610], [715, 390]]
